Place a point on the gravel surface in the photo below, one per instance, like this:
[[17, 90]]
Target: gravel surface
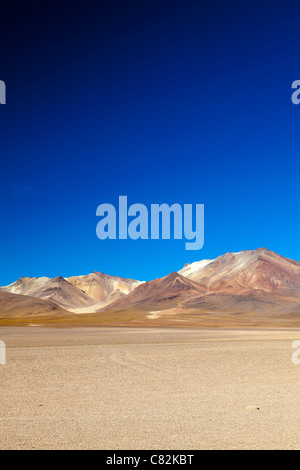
[[121, 388]]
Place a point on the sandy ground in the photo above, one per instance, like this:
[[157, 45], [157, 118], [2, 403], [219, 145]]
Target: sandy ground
[[114, 388]]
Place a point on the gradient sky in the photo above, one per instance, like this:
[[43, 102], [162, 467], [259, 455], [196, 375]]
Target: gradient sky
[[162, 101]]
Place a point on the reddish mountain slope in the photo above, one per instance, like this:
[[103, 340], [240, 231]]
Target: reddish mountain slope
[[238, 273]]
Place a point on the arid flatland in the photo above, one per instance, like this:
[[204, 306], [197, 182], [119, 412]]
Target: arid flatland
[[121, 388]]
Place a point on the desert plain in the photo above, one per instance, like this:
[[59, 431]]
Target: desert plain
[[149, 388]]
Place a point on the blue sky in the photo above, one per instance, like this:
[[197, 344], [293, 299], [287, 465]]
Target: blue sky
[[162, 101]]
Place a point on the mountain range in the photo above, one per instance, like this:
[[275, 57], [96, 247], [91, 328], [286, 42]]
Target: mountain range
[[249, 288], [77, 293]]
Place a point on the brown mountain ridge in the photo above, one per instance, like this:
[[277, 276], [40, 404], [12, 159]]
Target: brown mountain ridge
[[249, 288]]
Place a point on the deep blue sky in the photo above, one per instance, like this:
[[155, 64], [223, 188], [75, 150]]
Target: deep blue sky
[[162, 101]]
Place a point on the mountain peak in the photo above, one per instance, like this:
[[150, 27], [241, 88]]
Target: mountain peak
[[58, 279], [246, 271]]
